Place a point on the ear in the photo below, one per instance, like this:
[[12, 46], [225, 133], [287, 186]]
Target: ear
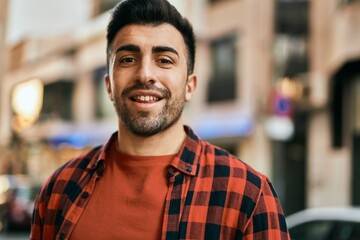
[[191, 85], [108, 86]]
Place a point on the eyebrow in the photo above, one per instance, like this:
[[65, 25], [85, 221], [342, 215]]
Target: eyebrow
[[156, 49], [128, 47], [161, 49]]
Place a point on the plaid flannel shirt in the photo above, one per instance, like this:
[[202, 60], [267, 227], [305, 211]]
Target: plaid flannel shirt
[[212, 195]]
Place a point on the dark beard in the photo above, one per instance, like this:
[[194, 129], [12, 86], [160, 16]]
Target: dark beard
[[142, 123]]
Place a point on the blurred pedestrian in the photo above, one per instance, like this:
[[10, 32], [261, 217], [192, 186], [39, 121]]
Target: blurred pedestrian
[[154, 178]]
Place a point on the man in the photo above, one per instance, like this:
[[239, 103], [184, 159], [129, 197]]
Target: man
[[154, 178]]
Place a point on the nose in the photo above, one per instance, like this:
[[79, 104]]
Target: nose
[[146, 72]]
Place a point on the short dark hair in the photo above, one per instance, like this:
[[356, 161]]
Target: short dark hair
[[150, 12]]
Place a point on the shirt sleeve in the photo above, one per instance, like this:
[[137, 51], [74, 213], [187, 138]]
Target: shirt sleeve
[[267, 220], [40, 228], [37, 217]]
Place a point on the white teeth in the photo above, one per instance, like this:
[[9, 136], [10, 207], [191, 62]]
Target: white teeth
[[146, 98]]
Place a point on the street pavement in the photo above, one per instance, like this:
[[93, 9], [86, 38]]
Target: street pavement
[[14, 236]]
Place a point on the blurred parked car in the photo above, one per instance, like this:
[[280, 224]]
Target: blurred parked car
[[325, 224], [17, 197]]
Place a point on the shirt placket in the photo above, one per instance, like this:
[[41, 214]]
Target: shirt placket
[[174, 205], [77, 207]]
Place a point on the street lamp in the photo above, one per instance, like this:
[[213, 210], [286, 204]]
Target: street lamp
[[27, 100]]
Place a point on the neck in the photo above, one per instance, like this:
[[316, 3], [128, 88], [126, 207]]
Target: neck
[[165, 142]]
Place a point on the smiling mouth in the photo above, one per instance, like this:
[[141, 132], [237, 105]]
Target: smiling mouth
[[145, 99]]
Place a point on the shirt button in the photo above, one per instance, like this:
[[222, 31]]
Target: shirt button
[[188, 168], [85, 195]]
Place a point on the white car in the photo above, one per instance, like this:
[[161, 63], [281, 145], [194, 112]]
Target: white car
[[325, 224]]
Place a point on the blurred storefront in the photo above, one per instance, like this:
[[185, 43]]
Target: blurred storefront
[[278, 87], [333, 167], [76, 113], [66, 65]]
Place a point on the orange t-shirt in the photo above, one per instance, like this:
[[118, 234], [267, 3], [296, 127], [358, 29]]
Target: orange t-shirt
[[128, 201]]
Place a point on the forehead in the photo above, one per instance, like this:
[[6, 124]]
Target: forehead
[[148, 36]]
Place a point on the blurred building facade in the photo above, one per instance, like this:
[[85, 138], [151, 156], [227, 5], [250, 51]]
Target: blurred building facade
[[278, 86]]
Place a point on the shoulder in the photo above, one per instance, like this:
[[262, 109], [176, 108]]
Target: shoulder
[[63, 185], [80, 162], [71, 171], [232, 177], [240, 175]]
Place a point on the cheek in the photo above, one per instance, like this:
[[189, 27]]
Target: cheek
[[178, 89], [116, 90], [118, 80]]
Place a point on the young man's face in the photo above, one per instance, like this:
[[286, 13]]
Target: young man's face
[[148, 81]]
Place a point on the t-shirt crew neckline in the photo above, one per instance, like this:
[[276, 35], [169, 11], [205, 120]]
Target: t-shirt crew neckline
[[138, 160]]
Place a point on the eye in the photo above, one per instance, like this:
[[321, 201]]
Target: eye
[[164, 61], [127, 60]]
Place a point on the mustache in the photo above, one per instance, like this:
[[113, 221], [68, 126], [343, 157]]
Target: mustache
[[140, 86]]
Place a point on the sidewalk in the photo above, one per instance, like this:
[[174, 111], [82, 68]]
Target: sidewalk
[[14, 236]]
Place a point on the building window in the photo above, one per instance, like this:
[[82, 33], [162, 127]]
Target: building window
[[355, 135], [58, 98], [222, 85], [292, 17]]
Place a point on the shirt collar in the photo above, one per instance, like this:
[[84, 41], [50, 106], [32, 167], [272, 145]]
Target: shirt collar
[[98, 161], [187, 158]]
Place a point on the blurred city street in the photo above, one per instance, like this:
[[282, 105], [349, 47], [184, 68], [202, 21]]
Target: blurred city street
[[278, 87], [14, 236]]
